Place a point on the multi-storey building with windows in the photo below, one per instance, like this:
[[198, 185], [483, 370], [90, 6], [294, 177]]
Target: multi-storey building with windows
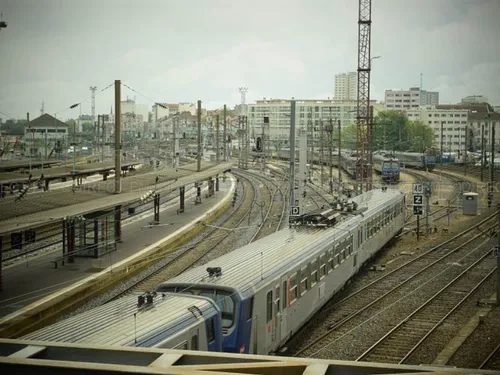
[[309, 114], [346, 86], [453, 121], [409, 99], [460, 123]]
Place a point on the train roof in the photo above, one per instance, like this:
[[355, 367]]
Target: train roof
[[252, 265], [113, 323], [378, 157], [411, 153]]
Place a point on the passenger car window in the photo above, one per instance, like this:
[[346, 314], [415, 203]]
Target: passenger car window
[[269, 306]]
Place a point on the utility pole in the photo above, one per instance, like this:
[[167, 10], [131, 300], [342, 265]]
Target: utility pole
[[321, 155], [330, 153], [441, 157], [198, 169], [492, 161], [94, 138], [498, 256], [226, 153], [118, 138], [339, 156], [465, 149], [29, 131], [292, 155], [217, 138], [482, 152]]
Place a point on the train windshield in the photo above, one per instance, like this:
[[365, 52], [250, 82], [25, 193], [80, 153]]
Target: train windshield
[[392, 165]]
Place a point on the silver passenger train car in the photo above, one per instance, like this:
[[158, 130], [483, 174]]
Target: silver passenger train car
[[158, 320], [268, 289]]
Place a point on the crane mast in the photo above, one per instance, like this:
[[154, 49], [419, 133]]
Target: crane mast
[[363, 113]]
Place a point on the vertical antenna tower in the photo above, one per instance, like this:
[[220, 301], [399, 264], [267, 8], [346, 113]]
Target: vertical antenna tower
[[364, 123]]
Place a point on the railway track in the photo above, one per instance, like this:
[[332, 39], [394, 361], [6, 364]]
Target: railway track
[[341, 317], [276, 210], [49, 236], [492, 361], [401, 341], [173, 264]]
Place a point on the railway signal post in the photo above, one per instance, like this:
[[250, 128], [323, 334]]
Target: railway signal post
[[418, 190]]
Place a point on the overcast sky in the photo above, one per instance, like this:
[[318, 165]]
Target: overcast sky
[[171, 51]]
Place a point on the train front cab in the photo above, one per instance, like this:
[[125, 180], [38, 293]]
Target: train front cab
[[390, 171], [429, 162], [236, 313]]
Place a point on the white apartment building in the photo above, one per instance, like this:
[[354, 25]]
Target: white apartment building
[[346, 86], [452, 120], [132, 123], [307, 112], [457, 120], [130, 106], [409, 99]]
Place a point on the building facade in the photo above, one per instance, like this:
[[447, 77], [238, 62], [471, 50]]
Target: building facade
[[462, 125], [309, 115], [410, 99], [453, 121], [346, 86]]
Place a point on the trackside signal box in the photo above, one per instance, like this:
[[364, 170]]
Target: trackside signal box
[[471, 203]]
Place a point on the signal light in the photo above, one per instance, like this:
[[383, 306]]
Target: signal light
[[490, 199]]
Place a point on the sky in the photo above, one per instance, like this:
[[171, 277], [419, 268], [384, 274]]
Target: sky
[[52, 51]]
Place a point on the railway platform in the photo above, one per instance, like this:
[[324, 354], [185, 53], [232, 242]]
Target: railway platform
[[38, 357], [33, 278]]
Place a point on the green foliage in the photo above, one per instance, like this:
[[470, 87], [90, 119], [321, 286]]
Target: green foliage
[[421, 136], [348, 136], [393, 131], [87, 127], [13, 127], [390, 131]]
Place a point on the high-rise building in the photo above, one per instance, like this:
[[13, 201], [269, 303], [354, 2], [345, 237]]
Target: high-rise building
[[407, 99], [346, 86]]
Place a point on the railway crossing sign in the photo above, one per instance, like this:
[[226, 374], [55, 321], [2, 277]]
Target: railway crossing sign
[[418, 189], [295, 210], [417, 200], [417, 210]]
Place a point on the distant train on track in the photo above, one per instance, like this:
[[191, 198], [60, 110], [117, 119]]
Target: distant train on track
[[251, 300], [424, 161], [387, 167]]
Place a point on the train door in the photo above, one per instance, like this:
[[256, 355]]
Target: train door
[[282, 309], [277, 311], [270, 321]]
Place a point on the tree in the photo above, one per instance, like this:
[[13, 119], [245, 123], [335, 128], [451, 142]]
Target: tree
[[390, 131], [87, 127], [348, 137], [421, 136]]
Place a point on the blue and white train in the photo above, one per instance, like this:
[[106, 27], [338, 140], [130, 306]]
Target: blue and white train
[[255, 298], [387, 167]]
